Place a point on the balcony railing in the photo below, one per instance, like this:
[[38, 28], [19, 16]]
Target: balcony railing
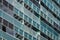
[[52, 6], [49, 15], [42, 38], [17, 23], [48, 30], [33, 6]]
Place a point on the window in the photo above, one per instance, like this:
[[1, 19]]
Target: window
[[26, 34], [16, 16], [8, 30], [18, 36], [21, 32], [10, 25], [48, 18], [34, 38], [5, 3], [30, 20], [41, 13], [44, 15], [15, 28], [15, 10], [4, 28], [38, 26], [34, 23], [30, 37], [0, 26], [5, 22], [0, 1], [10, 6], [20, 14], [0, 38], [25, 17], [0, 19], [44, 30], [18, 0], [48, 33]]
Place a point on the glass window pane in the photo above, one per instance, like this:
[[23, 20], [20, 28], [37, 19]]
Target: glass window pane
[[5, 22], [10, 25], [26, 34]]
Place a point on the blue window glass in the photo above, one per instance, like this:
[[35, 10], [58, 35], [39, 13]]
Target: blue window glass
[[15, 10], [34, 38], [26, 34], [21, 32], [30, 37], [30, 20], [20, 14], [16, 28]]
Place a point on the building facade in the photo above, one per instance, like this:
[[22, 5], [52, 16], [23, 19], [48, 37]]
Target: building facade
[[29, 20]]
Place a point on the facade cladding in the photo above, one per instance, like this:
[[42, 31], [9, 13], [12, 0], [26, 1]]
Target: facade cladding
[[29, 20]]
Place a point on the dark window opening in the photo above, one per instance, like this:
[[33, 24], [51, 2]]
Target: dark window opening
[[5, 22], [50, 10], [35, 29], [50, 24], [36, 3], [18, 36], [0, 1], [15, 16], [10, 25], [36, 14], [42, 34], [25, 39], [5, 3], [10, 6], [20, 1], [0, 19], [4, 28], [0, 26]]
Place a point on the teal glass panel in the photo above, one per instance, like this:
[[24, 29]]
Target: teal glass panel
[[30, 37], [38, 26], [34, 23], [15, 10], [34, 38], [26, 34], [30, 20], [21, 32], [17, 23], [20, 14], [0, 13], [7, 17], [30, 3], [25, 18], [15, 28]]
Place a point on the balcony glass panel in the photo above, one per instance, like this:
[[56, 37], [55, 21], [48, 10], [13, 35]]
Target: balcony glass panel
[[30, 20], [0, 13], [30, 3], [26, 1], [16, 22], [34, 23], [21, 32], [30, 37], [34, 7], [15, 10], [8, 30], [26, 34], [7, 17], [38, 26], [26, 17], [21, 14], [15, 28], [34, 38]]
